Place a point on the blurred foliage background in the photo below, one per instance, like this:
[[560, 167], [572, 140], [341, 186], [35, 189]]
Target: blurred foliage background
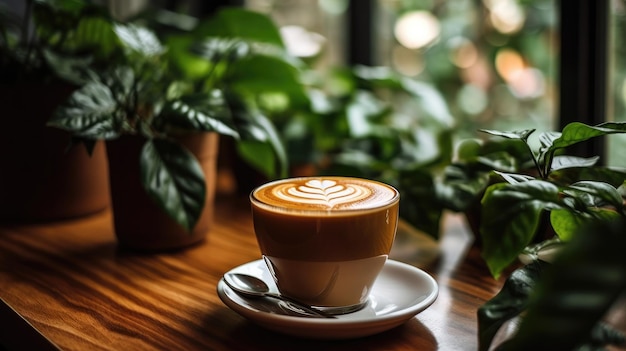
[[494, 61]]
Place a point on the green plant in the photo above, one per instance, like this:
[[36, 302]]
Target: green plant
[[572, 189], [51, 40], [466, 178], [562, 305], [374, 122], [131, 81]]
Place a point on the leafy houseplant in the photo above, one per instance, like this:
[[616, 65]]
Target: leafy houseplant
[[39, 180], [566, 304], [466, 178], [572, 189], [560, 304], [160, 94]]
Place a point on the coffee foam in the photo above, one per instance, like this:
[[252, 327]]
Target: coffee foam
[[325, 194]]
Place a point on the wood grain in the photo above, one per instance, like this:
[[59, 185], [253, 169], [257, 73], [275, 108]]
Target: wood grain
[[67, 286]]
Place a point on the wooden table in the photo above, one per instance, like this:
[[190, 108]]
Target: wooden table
[[67, 286]]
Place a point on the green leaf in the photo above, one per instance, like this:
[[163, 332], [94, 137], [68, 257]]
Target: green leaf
[[96, 36], [218, 49], [201, 112], [90, 113], [70, 68], [574, 133], [56, 16], [575, 293], [562, 162], [182, 60], [258, 75], [253, 126], [468, 150], [430, 99], [461, 187], [513, 178], [546, 139], [499, 161], [139, 40], [358, 159], [421, 146], [418, 201], [521, 134], [258, 155], [234, 22], [510, 152], [380, 76], [362, 112], [566, 223], [600, 194], [173, 178], [511, 216], [512, 299], [613, 176]]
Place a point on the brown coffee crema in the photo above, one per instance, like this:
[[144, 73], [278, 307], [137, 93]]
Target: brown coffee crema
[[325, 218]]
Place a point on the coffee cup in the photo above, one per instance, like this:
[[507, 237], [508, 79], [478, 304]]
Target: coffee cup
[[325, 239]]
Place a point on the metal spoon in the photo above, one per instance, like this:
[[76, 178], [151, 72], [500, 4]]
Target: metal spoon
[[251, 286]]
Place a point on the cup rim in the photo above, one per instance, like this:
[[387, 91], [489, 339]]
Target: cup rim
[[335, 212]]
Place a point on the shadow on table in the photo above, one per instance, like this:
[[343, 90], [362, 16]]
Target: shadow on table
[[412, 334]]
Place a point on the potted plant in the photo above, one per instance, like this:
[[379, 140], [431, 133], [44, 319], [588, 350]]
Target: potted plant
[[155, 100], [41, 180], [586, 211]]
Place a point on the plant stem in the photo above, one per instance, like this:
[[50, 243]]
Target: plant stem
[[532, 155], [547, 163]]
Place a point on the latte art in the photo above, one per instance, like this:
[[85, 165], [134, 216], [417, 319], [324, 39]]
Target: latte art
[[326, 193]]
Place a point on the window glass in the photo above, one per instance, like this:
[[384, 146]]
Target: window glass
[[495, 61]]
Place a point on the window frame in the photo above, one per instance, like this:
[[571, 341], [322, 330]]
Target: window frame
[[583, 68]]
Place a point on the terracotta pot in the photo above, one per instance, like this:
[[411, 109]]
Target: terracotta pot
[[40, 179], [140, 224]]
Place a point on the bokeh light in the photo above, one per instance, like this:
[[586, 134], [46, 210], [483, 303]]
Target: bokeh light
[[472, 99], [463, 52], [301, 42], [524, 81], [417, 29], [407, 61], [506, 16]]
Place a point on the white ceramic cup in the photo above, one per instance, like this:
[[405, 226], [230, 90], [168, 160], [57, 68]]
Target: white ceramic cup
[[325, 239]]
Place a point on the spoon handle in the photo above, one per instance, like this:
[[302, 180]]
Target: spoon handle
[[298, 307]]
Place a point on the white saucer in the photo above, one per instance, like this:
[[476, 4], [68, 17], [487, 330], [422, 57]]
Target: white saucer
[[400, 292]]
